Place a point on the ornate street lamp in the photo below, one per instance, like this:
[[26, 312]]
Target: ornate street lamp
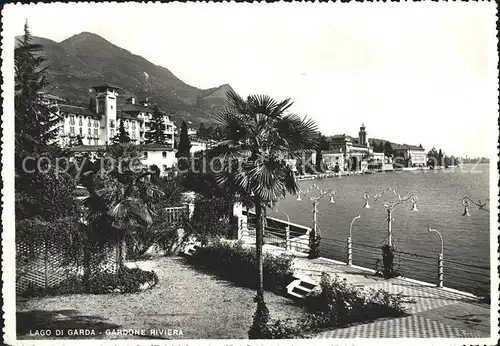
[[466, 201], [389, 206], [440, 258], [349, 242], [315, 235]]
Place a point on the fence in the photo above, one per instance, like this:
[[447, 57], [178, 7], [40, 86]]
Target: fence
[[424, 267], [177, 213], [44, 265]]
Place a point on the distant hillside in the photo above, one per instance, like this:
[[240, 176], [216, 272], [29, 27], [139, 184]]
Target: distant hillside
[[86, 59]]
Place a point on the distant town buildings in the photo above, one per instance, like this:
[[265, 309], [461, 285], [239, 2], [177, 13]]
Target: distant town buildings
[[410, 155], [348, 153], [97, 125]]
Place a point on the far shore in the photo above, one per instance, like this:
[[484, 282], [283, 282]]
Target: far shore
[[403, 169]]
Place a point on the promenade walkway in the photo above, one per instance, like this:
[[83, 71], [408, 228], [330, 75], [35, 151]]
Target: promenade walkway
[[436, 313]]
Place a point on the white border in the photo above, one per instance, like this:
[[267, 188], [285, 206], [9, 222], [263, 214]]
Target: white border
[[8, 243]]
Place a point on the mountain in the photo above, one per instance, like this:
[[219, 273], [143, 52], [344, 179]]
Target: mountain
[[86, 59]]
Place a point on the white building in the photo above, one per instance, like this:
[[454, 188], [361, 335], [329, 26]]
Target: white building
[[198, 145], [333, 160], [408, 155], [99, 123], [155, 154]]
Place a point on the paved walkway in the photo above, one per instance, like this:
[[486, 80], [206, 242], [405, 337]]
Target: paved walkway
[[436, 313]]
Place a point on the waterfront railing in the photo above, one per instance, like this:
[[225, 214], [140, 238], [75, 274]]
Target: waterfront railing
[[432, 269]]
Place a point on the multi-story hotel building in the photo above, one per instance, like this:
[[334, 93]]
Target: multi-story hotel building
[[97, 124]]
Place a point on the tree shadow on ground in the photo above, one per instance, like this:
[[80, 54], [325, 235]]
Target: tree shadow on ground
[[66, 320], [250, 282]]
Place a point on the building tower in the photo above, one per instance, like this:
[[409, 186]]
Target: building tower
[[363, 139], [105, 96]]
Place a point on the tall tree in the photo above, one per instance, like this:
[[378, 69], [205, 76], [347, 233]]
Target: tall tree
[[388, 150], [122, 136], [440, 158], [202, 131], [323, 144], [183, 150], [122, 197], [35, 123], [156, 131], [257, 138]]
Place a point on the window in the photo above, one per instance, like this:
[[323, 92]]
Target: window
[[112, 123], [133, 125], [72, 120], [96, 133], [133, 135], [72, 130], [164, 154], [80, 121], [111, 107], [145, 155], [96, 141], [90, 132], [89, 141], [100, 108], [81, 131], [96, 123], [112, 133]]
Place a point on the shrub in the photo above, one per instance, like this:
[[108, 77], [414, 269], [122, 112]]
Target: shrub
[[279, 329], [127, 281], [340, 303], [238, 264]]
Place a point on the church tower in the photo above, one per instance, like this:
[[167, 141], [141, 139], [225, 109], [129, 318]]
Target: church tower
[[105, 96], [363, 139]]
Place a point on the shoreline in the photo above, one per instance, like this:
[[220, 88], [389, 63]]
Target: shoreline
[[459, 169]]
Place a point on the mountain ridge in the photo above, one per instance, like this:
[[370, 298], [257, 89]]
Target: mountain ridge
[[86, 59]]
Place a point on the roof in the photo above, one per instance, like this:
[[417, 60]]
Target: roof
[[406, 147], [144, 147], [78, 110], [155, 147], [124, 115], [87, 148], [52, 97], [130, 108], [331, 152], [342, 137], [106, 85]]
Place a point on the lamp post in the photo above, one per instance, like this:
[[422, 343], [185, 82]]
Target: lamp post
[[466, 202], [440, 259], [349, 242], [315, 236], [390, 206], [287, 230]]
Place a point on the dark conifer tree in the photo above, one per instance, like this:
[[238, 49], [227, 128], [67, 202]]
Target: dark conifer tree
[[122, 136], [35, 123], [183, 150], [156, 132]]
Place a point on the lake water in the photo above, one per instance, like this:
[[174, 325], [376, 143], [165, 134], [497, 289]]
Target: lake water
[[440, 193]]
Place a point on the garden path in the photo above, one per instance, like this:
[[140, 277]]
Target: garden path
[[199, 304]]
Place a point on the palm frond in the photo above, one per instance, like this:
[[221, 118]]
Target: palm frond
[[236, 102], [296, 133]]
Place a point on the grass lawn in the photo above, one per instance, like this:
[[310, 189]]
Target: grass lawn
[[199, 304]]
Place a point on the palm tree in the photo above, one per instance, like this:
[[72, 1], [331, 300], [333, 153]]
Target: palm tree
[[123, 203], [257, 138]]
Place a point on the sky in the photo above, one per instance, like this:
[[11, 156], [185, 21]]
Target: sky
[[415, 73]]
